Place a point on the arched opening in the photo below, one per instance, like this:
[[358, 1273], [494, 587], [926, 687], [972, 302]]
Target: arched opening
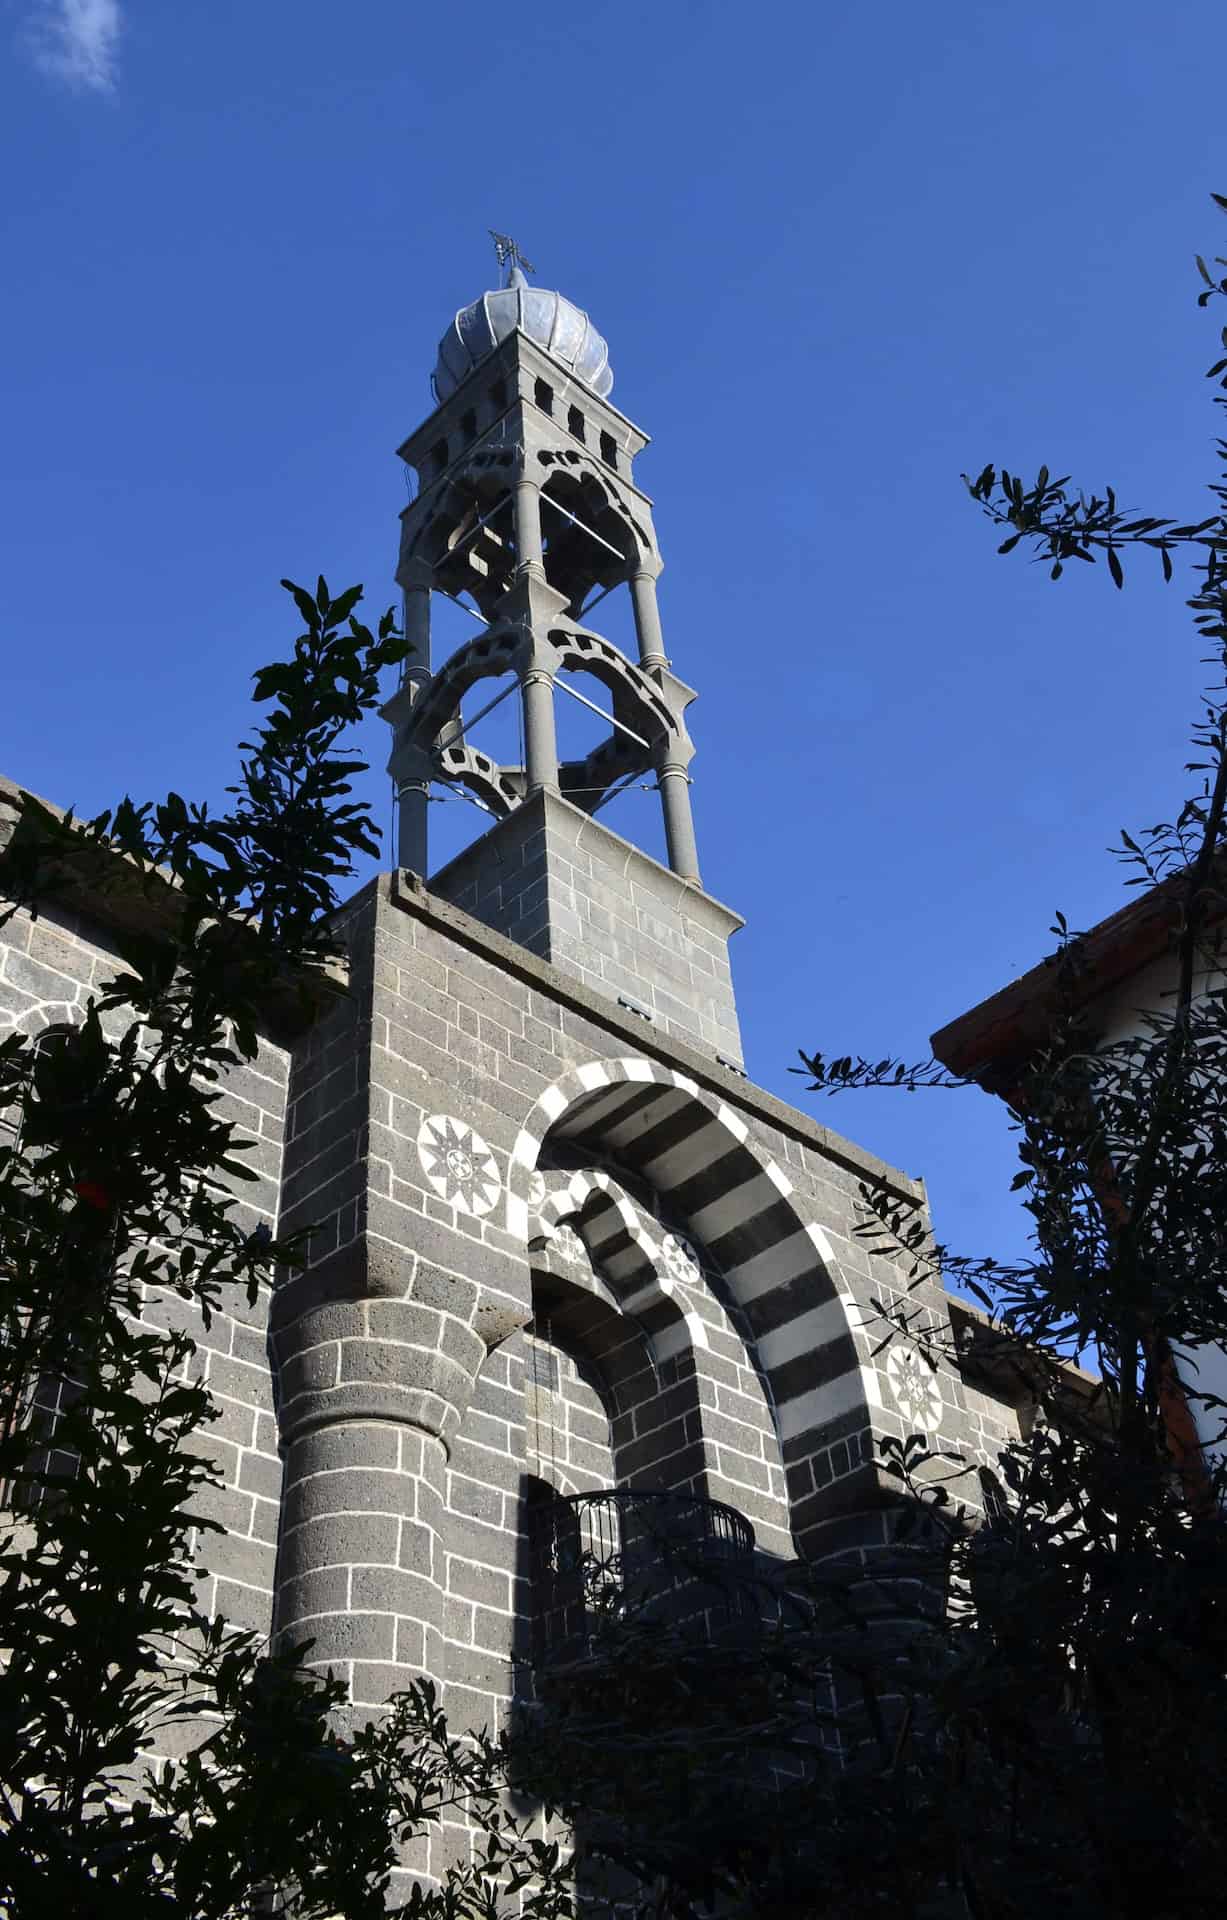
[[468, 538], [635, 1534], [700, 1418], [651, 1123], [479, 763], [581, 717], [588, 544], [570, 1402]]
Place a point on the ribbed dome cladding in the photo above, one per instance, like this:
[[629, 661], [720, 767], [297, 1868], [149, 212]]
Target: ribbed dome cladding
[[548, 318]]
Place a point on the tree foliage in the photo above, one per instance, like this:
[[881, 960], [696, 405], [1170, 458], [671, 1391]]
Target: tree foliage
[[1024, 1709], [119, 1180]]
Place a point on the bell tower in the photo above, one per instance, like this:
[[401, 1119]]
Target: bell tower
[[527, 514]]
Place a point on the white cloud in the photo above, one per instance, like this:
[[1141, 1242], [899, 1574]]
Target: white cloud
[[77, 41]]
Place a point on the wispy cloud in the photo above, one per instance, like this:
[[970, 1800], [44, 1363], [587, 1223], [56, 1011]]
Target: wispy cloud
[[77, 42]]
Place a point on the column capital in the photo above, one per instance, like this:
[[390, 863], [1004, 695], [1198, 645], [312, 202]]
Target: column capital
[[362, 1360], [411, 762], [674, 753]]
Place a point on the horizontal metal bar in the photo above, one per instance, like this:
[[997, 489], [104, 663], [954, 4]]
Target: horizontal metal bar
[[624, 785], [585, 528], [460, 603], [614, 722], [461, 793], [479, 715]]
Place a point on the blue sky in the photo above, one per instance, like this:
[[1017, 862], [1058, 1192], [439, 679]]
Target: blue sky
[[841, 255]]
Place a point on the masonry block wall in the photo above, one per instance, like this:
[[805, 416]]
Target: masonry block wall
[[49, 966], [567, 888], [553, 1245]]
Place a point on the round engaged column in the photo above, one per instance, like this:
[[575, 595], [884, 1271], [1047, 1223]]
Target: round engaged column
[[370, 1394]]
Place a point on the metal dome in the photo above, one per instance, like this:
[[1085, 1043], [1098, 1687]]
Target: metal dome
[[548, 318]]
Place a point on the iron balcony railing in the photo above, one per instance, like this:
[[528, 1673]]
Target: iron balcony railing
[[602, 1559]]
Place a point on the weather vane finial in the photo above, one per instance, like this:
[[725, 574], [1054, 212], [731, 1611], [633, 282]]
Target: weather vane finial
[[509, 255]]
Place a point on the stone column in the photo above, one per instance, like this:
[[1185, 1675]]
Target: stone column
[[412, 830], [417, 627], [411, 767], [370, 1395], [647, 619], [529, 555], [540, 737], [674, 783]]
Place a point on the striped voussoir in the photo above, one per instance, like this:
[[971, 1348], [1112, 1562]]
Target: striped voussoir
[[622, 1243], [699, 1156]]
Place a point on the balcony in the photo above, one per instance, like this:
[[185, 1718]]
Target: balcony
[[606, 1560]]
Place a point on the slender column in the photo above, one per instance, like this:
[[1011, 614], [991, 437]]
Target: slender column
[[540, 738], [530, 558], [410, 767], [412, 814], [674, 782], [417, 627], [647, 620]]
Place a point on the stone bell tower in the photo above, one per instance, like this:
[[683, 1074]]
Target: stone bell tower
[[528, 513], [565, 1257], [562, 1256]]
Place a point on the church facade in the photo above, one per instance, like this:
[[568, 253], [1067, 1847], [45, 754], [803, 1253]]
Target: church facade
[[563, 1250]]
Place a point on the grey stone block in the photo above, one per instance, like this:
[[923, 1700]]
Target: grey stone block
[[340, 1540], [417, 1552], [310, 1372], [374, 1683], [349, 1636], [243, 1606], [366, 1444], [251, 1562], [39, 981], [450, 1292], [488, 1585], [403, 1592], [354, 1489]]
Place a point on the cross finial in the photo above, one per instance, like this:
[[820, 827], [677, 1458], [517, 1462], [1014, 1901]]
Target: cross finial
[[509, 255]]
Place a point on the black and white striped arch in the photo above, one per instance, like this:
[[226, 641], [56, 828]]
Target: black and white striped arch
[[699, 1157]]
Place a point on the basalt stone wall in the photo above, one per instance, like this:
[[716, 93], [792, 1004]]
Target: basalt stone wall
[[563, 885], [505, 1172], [431, 1120], [49, 967]]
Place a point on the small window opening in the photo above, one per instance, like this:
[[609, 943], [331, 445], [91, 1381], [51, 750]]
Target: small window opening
[[468, 425], [543, 394], [609, 450], [438, 456], [575, 422], [498, 394]]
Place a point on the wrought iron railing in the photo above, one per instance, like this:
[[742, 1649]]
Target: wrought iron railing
[[610, 1558]]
